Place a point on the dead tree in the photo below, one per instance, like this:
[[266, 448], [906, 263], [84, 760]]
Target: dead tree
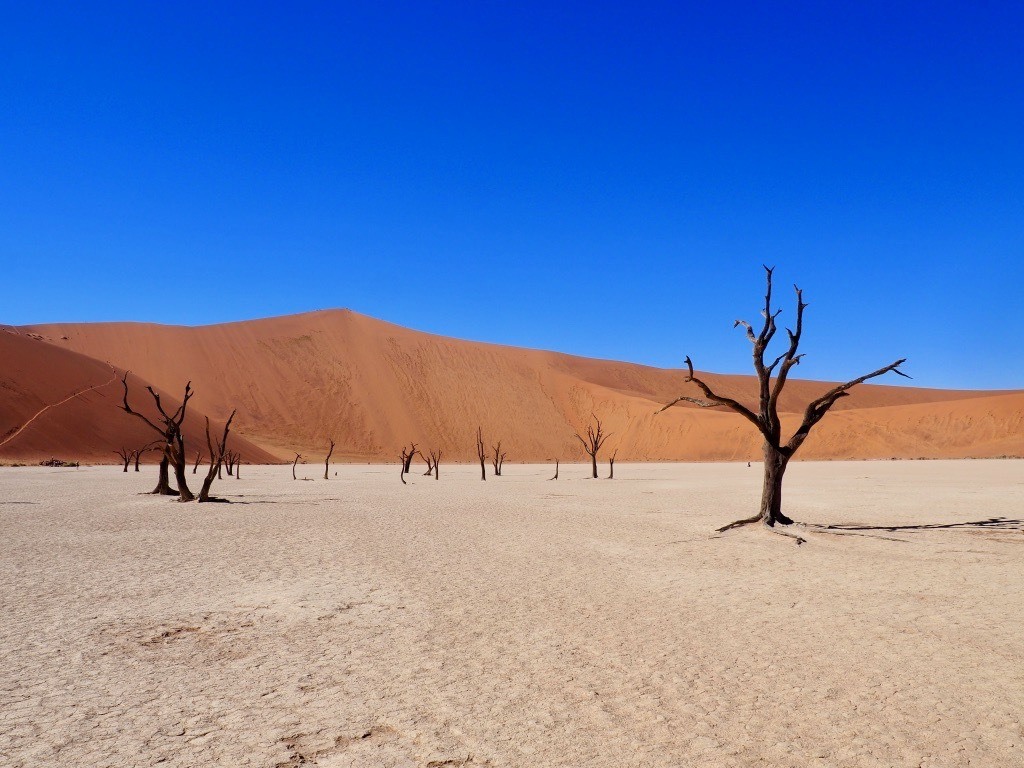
[[173, 439], [611, 464], [297, 457], [766, 417], [404, 459], [556, 471], [435, 458], [595, 439], [408, 458], [429, 458], [238, 465], [327, 461], [142, 450], [498, 458], [481, 452], [199, 457], [126, 457], [216, 457]]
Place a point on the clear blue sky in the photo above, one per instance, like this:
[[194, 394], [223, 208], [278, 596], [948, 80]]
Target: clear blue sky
[[601, 179]]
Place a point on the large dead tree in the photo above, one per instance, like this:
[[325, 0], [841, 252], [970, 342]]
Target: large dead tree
[[497, 458], [327, 461], [765, 417], [216, 458], [173, 439], [481, 452], [593, 442]]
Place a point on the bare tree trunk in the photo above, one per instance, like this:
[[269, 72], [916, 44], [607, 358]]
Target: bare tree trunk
[[481, 453], [163, 483], [408, 459], [199, 457], [238, 466], [178, 460], [297, 457], [327, 461], [403, 460], [611, 464], [126, 457], [138, 455], [556, 470], [775, 464]]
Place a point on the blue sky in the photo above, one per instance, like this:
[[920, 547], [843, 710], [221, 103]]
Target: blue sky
[[600, 179]]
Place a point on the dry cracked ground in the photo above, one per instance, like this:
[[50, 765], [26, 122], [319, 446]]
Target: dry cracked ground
[[517, 622]]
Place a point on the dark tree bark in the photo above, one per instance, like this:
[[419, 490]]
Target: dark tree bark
[[611, 464], [403, 458], [593, 442], [199, 457], [556, 471], [327, 461], [126, 457], [238, 465], [435, 459], [777, 453], [216, 457], [297, 457], [174, 441], [481, 452]]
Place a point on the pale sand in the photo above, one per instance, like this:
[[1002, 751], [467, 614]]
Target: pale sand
[[517, 622]]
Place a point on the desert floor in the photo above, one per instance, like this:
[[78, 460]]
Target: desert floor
[[517, 622]]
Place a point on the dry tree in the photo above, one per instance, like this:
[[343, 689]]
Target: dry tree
[[556, 471], [498, 458], [409, 456], [199, 457], [238, 465], [481, 452], [435, 459], [611, 464], [173, 440], [297, 457], [327, 461], [766, 417], [429, 458], [147, 447], [126, 456], [216, 458], [403, 459], [593, 442]]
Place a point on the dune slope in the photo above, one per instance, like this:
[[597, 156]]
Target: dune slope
[[373, 386]]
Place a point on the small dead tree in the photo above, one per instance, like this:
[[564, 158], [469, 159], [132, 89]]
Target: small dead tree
[[556, 471], [409, 455], [593, 442], [216, 457], [766, 418], [173, 439], [199, 457], [435, 459], [481, 452], [497, 458], [403, 457], [126, 457], [611, 464], [297, 457], [429, 458], [327, 461], [238, 465]]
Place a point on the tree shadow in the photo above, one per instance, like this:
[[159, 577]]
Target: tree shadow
[[991, 523]]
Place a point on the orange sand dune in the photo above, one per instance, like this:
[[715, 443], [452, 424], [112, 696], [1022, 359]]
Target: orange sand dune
[[58, 403], [374, 386]]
